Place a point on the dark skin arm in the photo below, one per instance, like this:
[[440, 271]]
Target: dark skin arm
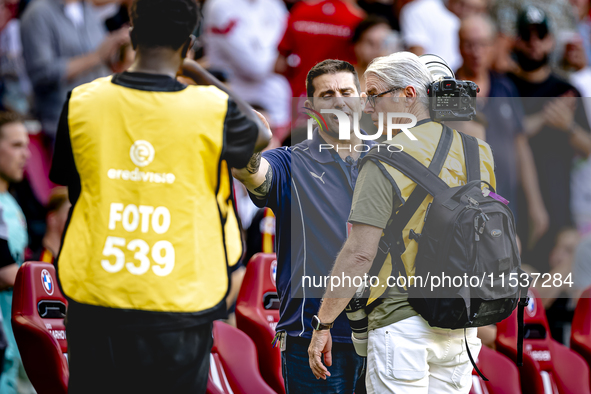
[[193, 70]]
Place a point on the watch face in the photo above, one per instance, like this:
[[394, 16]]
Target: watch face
[[315, 323]]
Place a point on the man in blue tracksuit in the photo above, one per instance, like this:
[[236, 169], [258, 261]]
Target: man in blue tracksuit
[[309, 187]]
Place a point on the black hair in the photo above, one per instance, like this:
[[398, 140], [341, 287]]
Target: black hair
[[330, 66], [163, 23], [366, 24]]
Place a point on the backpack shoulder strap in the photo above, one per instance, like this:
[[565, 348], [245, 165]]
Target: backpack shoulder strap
[[433, 187], [405, 213], [471, 157]]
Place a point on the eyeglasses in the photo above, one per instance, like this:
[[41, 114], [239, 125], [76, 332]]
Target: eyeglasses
[[372, 98]]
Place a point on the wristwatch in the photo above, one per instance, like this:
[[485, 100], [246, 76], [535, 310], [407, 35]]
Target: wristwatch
[[318, 325]]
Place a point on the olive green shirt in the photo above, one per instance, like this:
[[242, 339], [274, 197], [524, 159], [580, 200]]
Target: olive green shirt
[[373, 200]]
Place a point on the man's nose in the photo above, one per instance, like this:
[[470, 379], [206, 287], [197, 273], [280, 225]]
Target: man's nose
[[339, 102]]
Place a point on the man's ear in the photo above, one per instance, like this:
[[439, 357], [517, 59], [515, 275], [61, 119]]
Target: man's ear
[[411, 95], [308, 104], [410, 91], [132, 36]]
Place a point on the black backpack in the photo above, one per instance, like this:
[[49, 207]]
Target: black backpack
[[466, 233]]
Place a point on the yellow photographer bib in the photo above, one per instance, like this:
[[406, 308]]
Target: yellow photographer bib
[[154, 226]]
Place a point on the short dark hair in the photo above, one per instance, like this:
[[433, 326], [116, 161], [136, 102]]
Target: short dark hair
[[163, 23], [366, 24], [330, 66], [7, 117]]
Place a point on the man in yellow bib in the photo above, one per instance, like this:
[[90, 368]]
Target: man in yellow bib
[[152, 229]]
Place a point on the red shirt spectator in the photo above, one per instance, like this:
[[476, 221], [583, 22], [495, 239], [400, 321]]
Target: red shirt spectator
[[317, 30], [8, 10]]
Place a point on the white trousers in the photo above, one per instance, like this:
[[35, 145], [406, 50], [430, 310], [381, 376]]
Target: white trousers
[[411, 357]]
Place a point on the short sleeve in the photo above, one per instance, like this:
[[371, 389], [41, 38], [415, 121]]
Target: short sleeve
[[286, 45], [279, 160], [240, 136], [3, 227], [373, 198], [63, 167]]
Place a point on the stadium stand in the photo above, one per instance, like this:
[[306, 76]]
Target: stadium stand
[[257, 314], [233, 363], [37, 318], [502, 374], [38, 310], [580, 339], [548, 366]]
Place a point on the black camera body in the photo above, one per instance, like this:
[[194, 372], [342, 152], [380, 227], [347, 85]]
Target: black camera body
[[450, 99]]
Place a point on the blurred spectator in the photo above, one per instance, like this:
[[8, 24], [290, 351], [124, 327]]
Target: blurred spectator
[[16, 88], [576, 62], [382, 8], [241, 38], [120, 18], [581, 192], [57, 216], [14, 153], [581, 8], [65, 45], [370, 40], [114, 21], [582, 267], [427, 26], [6, 259], [580, 78], [316, 31], [502, 109], [560, 12], [8, 10], [556, 128], [466, 8], [561, 19], [556, 298]]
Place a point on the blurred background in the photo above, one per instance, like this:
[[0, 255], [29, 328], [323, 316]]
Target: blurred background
[[263, 49]]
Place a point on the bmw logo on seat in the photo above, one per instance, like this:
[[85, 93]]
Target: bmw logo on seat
[[47, 281]]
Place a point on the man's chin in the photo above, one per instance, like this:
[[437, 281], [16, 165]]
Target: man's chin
[[15, 178]]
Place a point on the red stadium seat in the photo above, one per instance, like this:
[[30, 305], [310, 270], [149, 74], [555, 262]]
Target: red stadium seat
[[38, 310], [233, 363], [501, 372], [257, 314], [548, 366], [580, 337]]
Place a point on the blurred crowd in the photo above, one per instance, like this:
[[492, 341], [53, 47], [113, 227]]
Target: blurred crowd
[[531, 60]]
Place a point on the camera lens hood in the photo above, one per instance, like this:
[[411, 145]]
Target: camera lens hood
[[437, 66]]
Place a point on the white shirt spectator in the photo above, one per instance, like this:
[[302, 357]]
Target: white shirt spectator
[[430, 25], [241, 37], [75, 13], [581, 172]]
